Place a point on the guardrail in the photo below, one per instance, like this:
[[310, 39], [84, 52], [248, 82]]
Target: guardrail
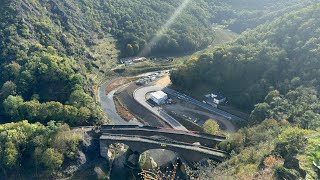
[[201, 104]]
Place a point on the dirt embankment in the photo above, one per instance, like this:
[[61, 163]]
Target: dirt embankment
[[119, 82], [126, 97], [164, 81], [122, 110]]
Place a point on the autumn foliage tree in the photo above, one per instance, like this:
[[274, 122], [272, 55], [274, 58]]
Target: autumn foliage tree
[[211, 127]]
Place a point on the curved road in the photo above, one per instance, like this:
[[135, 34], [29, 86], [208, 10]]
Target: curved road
[[140, 96], [108, 105], [109, 108], [230, 128]]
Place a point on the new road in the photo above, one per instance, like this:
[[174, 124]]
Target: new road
[[108, 106], [140, 96], [201, 104]]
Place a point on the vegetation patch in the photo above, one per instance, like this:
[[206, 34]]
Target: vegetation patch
[[122, 110]]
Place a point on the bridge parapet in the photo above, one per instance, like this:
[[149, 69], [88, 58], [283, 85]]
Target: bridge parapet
[[113, 127], [189, 152], [182, 136]]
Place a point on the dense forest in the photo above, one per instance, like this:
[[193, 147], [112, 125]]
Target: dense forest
[[272, 70], [47, 67], [45, 52], [42, 74], [281, 55], [136, 22], [41, 150]]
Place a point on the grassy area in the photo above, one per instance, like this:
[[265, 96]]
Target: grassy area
[[105, 53], [105, 57], [221, 36], [144, 67], [148, 66]]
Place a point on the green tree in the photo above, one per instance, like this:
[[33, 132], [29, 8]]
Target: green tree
[[271, 95], [79, 98], [30, 110], [309, 120], [129, 50], [11, 71], [52, 160], [70, 113], [77, 79], [8, 88], [283, 173], [259, 113], [10, 156], [291, 142], [84, 115], [211, 127], [52, 111], [136, 48], [11, 105]]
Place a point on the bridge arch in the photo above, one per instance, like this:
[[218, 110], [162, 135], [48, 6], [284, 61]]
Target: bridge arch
[[183, 159], [115, 149], [137, 144], [161, 157]]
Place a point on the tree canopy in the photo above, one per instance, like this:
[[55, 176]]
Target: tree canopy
[[281, 55], [35, 149]]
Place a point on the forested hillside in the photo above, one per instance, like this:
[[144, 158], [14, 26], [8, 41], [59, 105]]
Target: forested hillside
[[281, 55], [43, 62], [36, 151], [49, 62], [136, 22], [46, 48], [251, 13], [272, 70]]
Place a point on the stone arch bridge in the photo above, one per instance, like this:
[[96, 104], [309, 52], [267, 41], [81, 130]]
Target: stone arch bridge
[[148, 138]]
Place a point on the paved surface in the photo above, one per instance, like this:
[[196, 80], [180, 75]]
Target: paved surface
[[140, 96], [202, 105], [195, 112], [109, 108], [108, 105], [145, 116], [230, 128], [170, 134]]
